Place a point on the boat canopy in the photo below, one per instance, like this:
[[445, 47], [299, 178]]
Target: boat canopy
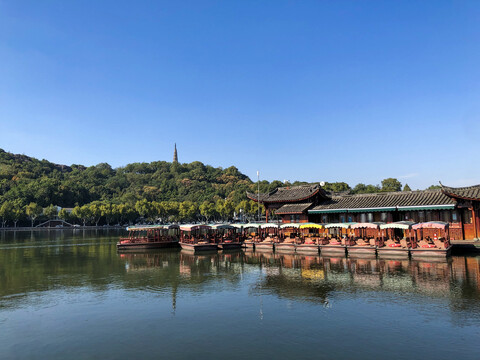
[[431, 225], [269, 225], [222, 227], [145, 227], [374, 225], [194, 227], [290, 225], [339, 225], [311, 226], [405, 225]]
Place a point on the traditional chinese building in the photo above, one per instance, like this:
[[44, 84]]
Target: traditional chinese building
[[460, 207], [291, 202]]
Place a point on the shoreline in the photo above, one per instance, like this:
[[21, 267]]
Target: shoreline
[[62, 228]]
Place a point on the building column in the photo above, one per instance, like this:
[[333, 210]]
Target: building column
[[474, 221]]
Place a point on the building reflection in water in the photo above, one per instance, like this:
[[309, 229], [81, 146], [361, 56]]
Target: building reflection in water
[[315, 278], [25, 270]]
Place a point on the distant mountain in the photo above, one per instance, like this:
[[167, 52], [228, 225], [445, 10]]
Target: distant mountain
[[43, 182]]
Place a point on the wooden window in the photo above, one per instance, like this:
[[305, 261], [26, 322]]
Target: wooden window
[[454, 216]]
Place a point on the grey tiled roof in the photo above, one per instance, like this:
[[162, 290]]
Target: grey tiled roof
[[389, 199], [293, 208], [289, 194], [469, 192]]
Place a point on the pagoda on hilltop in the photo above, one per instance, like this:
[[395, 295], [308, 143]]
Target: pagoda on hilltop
[[175, 155]]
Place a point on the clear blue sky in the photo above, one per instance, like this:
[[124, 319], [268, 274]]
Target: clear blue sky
[[352, 91]]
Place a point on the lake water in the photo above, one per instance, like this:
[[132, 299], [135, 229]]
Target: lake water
[[70, 295]]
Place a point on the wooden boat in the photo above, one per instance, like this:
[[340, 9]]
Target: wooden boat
[[289, 235], [249, 234], [196, 238], [149, 237], [425, 246], [309, 238], [363, 243], [396, 239], [337, 243], [226, 237], [269, 236]]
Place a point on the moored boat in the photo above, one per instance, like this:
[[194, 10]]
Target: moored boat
[[268, 236], [226, 237], [196, 238], [334, 241], [309, 238], [396, 239], [289, 235], [363, 242], [143, 237], [249, 234], [431, 240]]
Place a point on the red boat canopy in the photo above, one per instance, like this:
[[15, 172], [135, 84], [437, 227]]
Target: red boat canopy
[[431, 225]]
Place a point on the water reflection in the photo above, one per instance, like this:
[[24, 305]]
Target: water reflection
[[27, 267]]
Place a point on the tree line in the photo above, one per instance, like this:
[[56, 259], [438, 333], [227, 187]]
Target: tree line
[[31, 190], [106, 213]]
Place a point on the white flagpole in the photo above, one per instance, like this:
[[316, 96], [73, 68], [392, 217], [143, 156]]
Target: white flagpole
[[258, 193]]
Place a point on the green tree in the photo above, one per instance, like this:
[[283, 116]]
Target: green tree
[[33, 211], [146, 209], [64, 215], [228, 209], [337, 187], [96, 211], [391, 184], [51, 211], [365, 189], [18, 211], [207, 210], [406, 188], [187, 210], [107, 211], [82, 213], [6, 212]]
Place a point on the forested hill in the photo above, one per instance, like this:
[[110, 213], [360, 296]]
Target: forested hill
[[31, 189], [45, 183]]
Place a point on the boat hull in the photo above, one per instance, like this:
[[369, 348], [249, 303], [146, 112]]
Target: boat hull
[[333, 249], [309, 248], [263, 246], [230, 246], [430, 253], [199, 247], [361, 250], [146, 245], [392, 252], [282, 247]]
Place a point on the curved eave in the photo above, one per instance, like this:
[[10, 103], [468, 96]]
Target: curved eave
[[265, 201], [456, 196]]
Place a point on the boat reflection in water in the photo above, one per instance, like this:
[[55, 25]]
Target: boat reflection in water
[[313, 278]]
